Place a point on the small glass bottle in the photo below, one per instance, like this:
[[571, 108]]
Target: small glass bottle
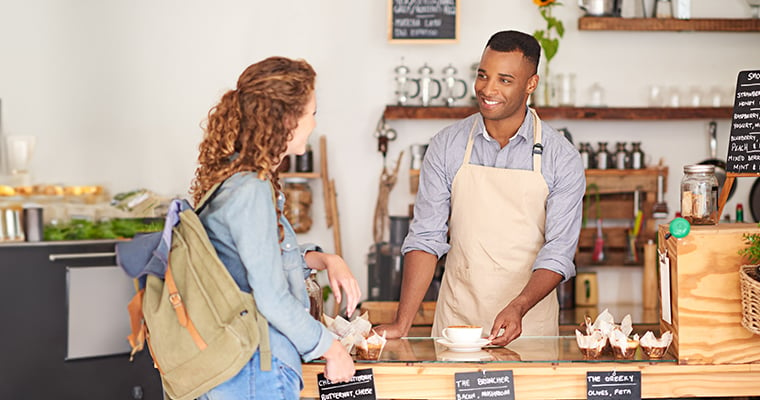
[[637, 156], [316, 301], [298, 201], [583, 149], [699, 195], [621, 156], [603, 159], [739, 213]]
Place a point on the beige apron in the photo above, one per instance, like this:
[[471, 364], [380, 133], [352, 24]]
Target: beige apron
[[496, 228]]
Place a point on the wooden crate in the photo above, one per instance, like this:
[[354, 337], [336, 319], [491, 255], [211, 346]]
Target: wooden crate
[[383, 312], [616, 192], [705, 296]]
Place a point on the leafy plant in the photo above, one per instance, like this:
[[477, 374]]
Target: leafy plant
[[752, 251], [79, 229], [549, 43], [545, 37]]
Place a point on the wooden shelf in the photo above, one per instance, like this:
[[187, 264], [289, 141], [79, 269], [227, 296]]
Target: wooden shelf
[[668, 24], [616, 188], [548, 113]]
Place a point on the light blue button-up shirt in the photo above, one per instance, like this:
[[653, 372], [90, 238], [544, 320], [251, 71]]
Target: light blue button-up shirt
[[242, 225], [561, 167]]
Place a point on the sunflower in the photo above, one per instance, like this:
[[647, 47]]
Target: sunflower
[[543, 3]]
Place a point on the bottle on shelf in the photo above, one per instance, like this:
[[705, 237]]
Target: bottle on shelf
[[603, 159], [637, 156]]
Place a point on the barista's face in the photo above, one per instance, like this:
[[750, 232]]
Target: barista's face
[[504, 82], [306, 124]]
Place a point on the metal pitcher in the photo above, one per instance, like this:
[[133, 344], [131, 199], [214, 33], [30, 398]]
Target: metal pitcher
[[404, 84], [598, 8], [426, 82], [450, 82]]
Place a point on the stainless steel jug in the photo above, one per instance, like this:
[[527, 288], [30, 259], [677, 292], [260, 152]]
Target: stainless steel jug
[[427, 82], [404, 85], [450, 82], [598, 8]]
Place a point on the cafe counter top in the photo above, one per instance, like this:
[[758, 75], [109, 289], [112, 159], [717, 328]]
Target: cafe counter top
[[542, 367]]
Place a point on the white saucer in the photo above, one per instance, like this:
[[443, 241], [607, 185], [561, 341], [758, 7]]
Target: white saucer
[[464, 347]]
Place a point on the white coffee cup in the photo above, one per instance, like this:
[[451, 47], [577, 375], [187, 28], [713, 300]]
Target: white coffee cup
[[463, 333]]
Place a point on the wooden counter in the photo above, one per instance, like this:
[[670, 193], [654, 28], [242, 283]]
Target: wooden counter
[[543, 367]]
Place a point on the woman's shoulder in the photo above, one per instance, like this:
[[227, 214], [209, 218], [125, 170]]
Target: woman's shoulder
[[247, 183]]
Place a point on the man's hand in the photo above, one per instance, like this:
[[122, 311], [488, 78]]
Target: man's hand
[[392, 331], [540, 284], [510, 320]]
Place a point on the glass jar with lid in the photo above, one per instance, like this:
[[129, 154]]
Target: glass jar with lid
[[699, 195], [298, 201]]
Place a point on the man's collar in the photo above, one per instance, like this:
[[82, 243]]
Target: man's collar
[[522, 131]]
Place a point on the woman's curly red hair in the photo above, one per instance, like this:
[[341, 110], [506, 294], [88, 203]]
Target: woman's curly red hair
[[249, 129]]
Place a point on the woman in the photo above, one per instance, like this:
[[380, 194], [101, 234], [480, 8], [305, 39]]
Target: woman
[[269, 116]]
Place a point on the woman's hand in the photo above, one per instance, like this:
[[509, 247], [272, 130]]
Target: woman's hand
[[342, 281], [340, 366]]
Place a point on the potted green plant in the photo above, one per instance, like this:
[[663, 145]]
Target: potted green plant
[[749, 276]]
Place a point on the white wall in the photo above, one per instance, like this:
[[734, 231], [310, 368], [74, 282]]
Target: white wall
[[115, 90]]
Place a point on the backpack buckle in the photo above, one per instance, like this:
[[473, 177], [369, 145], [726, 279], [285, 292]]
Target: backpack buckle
[[175, 299]]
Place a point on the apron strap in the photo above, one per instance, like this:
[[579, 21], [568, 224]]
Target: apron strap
[[538, 148], [468, 150]]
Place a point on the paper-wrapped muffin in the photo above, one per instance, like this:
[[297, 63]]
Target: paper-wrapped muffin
[[591, 345], [623, 347], [370, 348], [653, 347]]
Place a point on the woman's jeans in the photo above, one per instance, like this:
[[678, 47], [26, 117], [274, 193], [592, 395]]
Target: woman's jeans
[[282, 382]]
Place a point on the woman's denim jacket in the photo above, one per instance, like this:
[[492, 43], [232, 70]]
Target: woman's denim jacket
[[242, 225]]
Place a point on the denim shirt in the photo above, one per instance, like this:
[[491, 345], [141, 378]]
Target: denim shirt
[[241, 223]]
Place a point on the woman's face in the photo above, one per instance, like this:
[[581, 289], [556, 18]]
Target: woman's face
[[306, 124]]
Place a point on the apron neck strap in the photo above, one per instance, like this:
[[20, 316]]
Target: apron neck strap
[[538, 148]]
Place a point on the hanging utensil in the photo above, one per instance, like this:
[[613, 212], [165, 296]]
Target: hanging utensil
[[384, 134], [720, 165]]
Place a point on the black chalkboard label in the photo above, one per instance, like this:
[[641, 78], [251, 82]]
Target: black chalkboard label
[[744, 143], [361, 386], [615, 385], [429, 20], [492, 385]]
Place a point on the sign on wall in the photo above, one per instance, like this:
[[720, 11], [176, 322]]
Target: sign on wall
[[423, 21], [744, 141]]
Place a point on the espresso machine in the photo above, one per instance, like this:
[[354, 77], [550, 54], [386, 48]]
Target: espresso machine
[[385, 265]]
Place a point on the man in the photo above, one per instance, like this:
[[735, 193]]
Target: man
[[508, 190]]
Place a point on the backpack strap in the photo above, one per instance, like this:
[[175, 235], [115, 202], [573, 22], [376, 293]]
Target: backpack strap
[[207, 197], [137, 337], [264, 349], [179, 307]]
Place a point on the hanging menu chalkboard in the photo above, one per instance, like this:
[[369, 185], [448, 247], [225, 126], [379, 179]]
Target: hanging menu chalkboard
[[744, 143], [432, 21]]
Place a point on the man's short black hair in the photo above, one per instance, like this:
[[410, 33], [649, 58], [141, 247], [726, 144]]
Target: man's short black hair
[[507, 41]]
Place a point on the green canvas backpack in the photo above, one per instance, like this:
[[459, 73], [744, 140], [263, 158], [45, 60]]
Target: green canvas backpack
[[200, 327]]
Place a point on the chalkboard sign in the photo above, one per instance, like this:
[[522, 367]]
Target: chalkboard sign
[[423, 21], [492, 385], [744, 143], [615, 385], [361, 386]]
